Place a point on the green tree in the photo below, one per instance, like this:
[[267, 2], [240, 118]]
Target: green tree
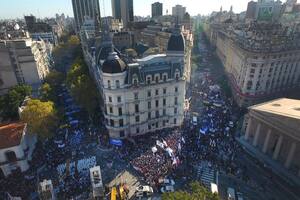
[[10, 102], [82, 87], [40, 117], [50, 89], [198, 192]]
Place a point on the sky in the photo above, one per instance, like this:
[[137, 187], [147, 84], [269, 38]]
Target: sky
[[48, 8]]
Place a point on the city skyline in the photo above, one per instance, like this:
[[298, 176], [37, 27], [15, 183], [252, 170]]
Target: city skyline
[[46, 8]]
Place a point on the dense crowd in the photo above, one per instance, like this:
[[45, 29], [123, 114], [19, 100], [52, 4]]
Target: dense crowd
[[158, 161]]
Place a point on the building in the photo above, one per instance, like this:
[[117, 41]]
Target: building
[[16, 147], [114, 25], [272, 135], [260, 69], [40, 30], [179, 11], [123, 10], [264, 10], [97, 184], [22, 61], [85, 8], [123, 40], [157, 9], [46, 190], [146, 94]]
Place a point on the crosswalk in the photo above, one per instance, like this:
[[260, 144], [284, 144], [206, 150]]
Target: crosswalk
[[206, 175]]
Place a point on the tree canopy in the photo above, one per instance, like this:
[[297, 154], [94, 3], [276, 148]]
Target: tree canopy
[[10, 102], [40, 117], [82, 86], [49, 90], [197, 192]]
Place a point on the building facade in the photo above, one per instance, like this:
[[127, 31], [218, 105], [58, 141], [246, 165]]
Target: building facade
[[16, 148], [157, 9], [123, 10], [86, 8], [179, 11], [23, 61], [146, 94], [272, 135]]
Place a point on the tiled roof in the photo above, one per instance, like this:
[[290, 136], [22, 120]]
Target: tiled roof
[[11, 134]]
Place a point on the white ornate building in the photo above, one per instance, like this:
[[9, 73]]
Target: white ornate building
[[143, 95]]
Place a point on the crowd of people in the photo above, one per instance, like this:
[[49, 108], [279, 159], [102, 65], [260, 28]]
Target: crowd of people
[[158, 161]]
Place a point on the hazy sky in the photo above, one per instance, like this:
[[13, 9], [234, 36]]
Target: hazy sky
[[47, 8]]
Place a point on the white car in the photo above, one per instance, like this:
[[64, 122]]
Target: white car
[[143, 191], [167, 188]]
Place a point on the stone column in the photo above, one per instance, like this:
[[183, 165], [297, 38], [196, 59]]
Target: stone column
[[267, 140], [247, 134], [290, 156], [277, 148], [257, 133]]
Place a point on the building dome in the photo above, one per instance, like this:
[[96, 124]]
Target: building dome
[[176, 42], [113, 64]]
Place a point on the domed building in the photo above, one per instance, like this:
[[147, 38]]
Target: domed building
[[144, 95]]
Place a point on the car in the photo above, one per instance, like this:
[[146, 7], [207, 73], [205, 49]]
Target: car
[[167, 188], [143, 191], [167, 181]]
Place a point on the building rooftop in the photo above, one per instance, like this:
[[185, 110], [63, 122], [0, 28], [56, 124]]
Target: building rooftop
[[11, 134], [284, 107]]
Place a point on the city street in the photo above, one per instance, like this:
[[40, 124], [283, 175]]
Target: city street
[[260, 184]]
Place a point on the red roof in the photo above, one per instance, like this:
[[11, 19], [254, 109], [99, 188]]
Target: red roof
[[11, 134]]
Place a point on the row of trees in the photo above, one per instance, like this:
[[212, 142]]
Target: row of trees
[[197, 192], [82, 87]]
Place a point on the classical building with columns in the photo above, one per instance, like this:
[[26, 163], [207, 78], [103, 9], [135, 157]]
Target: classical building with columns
[[272, 134]]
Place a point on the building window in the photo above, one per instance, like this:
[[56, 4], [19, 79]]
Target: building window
[[149, 104], [108, 84], [122, 133], [149, 93], [137, 108], [176, 101], [165, 77], [137, 118], [149, 115], [110, 109], [148, 80], [136, 96], [157, 114], [121, 123], [112, 123], [175, 121], [149, 127], [120, 112], [176, 89], [175, 110], [156, 92], [165, 91], [119, 99], [156, 79], [135, 82], [117, 84], [10, 156], [164, 102], [156, 124], [156, 103], [110, 99], [137, 130], [164, 112]]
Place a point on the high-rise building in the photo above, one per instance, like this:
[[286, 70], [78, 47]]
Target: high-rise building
[[83, 9], [123, 10], [157, 9], [179, 11]]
